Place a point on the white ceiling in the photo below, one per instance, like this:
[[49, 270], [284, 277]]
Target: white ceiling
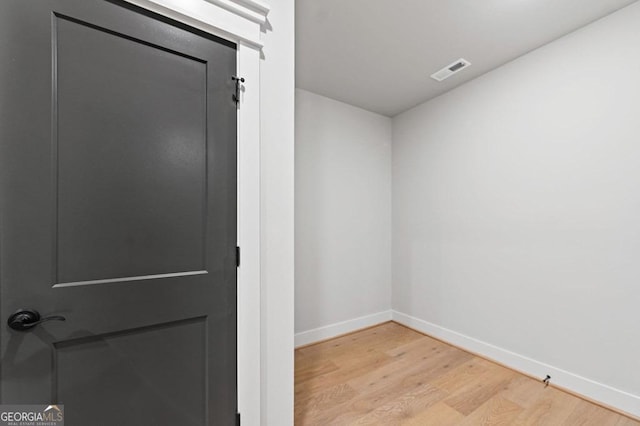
[[379, 54]]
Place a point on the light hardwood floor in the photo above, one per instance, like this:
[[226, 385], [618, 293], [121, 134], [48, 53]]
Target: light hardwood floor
[[391, 375]]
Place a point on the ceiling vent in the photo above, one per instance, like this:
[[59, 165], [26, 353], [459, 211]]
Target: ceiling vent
[[451, 69]]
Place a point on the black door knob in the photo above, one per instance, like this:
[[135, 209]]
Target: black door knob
[[26, 319]]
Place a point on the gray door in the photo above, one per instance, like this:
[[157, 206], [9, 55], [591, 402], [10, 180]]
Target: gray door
[[118, 192]]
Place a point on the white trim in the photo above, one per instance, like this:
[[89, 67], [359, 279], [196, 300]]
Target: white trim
[[238, 22], [233, 20], [240, 9], [255, 5], [617, 398], [249, 272], [336, 329]]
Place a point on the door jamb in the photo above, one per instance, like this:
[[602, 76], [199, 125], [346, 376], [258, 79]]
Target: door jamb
[[242, 22]]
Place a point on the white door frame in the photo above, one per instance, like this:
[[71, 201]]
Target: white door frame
[[239, 21]]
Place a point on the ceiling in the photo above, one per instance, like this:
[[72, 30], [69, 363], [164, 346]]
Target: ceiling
[[379, 54]]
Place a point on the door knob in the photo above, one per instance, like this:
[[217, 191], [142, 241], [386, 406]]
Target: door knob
[[26, 319]]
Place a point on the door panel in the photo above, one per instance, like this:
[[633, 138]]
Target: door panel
[[131, 147], [168, 357], [118, 192]]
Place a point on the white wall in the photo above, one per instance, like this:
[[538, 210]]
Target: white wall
[[277, 81], [516, 211], [343, 216]]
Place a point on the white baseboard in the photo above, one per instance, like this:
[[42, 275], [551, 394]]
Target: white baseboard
[[333, 330], [591, 389]]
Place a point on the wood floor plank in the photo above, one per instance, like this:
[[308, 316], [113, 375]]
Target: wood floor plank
[[439, 414], [524, 391], [462, 376], [317, 403], [471, 397], [401, 365], [362, 367], [403, 407], [307, 371], [385, 384], [552, 408], [586, 414], [495, 411], [423, 343], [391, 375], [626, 421]]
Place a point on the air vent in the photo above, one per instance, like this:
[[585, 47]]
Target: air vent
[[451, 69]]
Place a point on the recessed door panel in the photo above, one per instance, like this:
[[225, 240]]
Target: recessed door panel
[[166, 361], [130, 146]]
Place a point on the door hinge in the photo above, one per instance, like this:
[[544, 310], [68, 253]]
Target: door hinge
[[237, 257], [236, 95], [237, 419]]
